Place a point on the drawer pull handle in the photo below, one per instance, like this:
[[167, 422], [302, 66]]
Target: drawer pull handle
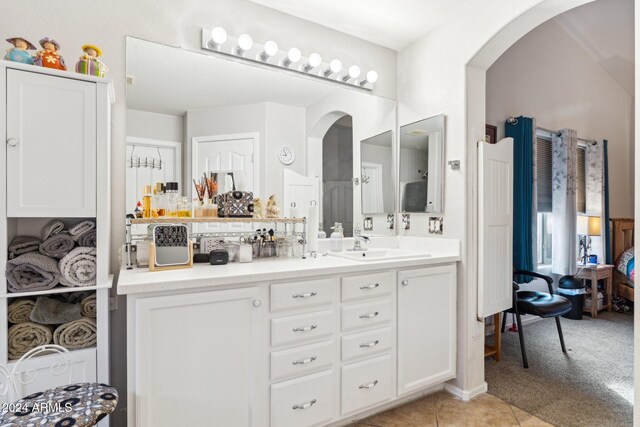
[[372, 286], [304, 361], [368, 386], [305, 328], [305, 295], [370, 344], [369, 315], [305, 405]]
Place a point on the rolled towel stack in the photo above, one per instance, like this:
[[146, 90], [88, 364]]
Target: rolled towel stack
[[24, 244], [77, 334], [78, 267], [53, 227], [26, 336], [88, 239], [49, 311], [57, 246], [80, 228], [88, 306], [20, 310], [32, 271]]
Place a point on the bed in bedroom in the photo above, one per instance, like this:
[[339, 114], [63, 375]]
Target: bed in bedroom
[[622, 245]]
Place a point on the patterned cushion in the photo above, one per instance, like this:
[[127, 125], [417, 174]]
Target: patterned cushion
[[625, 264], [76, 405]]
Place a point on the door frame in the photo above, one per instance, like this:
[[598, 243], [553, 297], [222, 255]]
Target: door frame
[[255, 136], [150, 142]]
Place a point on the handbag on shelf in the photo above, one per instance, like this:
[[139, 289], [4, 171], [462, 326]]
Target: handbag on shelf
[[235, 203]]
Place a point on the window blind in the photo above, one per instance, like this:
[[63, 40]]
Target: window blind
[[581, 189], [544, 170]]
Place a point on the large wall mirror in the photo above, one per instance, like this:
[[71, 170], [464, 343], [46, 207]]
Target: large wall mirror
[[280, 132], [422, 165], [376, 174]]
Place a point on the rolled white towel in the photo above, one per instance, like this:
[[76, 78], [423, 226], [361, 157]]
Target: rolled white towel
[[78, 267], [80, 228], [53, 227]]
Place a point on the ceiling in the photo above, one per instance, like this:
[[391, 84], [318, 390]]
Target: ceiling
[[383, 22]]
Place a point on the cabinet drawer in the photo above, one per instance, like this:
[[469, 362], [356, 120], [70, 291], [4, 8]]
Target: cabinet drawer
[[303, 402], [367, 285], [301, 360], [366, 383], [286, 296], [364, 315], [366, 343], [303, 327]]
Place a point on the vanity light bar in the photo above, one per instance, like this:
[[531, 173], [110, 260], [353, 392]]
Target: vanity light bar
[[217, 40]]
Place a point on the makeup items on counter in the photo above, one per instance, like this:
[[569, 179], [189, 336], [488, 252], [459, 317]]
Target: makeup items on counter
[[337, 237], [158, 201], [171, 199], [184, 208]]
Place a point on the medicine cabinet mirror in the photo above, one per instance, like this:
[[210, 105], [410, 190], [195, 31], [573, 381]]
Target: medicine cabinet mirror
[[278, 131], [422, 165]]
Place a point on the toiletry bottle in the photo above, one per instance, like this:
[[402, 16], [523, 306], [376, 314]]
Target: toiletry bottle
[[336, 238], [157, 203], [172, 199], [321, 234], [184, 208], [146, 202]]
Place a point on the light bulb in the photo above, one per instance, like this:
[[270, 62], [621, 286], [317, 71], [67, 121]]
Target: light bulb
[[354, 73], [371, 77], [270, 49], [314, 61], [218, 36], [294, 55], [334, 67], [244, 44]]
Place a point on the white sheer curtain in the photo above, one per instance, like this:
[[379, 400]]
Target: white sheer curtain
[[564, 171], [594, 172]]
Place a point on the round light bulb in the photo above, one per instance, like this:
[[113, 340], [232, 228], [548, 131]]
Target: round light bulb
[[372, 76], [335, 66], [354, 72], [218, 35], [315, 60], [270, 48], [245, 42], [294, 55]]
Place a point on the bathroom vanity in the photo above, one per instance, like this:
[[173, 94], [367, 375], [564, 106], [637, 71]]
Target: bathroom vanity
[[291, 342]]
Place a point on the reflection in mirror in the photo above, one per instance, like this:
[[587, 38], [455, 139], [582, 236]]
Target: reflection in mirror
[[422, 165], [376, 174], [280, 133]]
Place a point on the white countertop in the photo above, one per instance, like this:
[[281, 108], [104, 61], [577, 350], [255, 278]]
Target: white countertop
[[141, 280]]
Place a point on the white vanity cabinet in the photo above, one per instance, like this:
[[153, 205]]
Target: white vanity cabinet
[[426, 327], [195, 358], [52, 133]]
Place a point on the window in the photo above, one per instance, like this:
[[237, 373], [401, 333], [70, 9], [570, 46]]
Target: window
[[544, 171]]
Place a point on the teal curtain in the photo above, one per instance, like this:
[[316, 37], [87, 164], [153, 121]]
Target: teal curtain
[[522, 133], [607, 229]]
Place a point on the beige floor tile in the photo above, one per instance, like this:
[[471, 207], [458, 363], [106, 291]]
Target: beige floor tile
[[485, 410], [527, 420], [419, 413]]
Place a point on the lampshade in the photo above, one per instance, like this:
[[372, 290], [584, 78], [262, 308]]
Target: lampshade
[[582, 227], [595, 226]]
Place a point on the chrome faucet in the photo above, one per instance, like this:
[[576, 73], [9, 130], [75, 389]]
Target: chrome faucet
[[358, 238]]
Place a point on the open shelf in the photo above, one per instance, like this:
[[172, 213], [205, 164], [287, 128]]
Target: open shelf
[[213, 220], [56, 290]]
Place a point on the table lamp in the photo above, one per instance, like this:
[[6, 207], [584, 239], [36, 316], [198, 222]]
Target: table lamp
[[588, 226]]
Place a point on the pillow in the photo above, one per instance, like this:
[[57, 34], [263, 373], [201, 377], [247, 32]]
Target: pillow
[[625, 263]]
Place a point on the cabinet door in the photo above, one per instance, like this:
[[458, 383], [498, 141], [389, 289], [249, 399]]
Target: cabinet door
[[195, 361], [51, 146], [426, 327]]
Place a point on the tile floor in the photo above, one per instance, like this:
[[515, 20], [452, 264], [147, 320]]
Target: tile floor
[[443, 409]]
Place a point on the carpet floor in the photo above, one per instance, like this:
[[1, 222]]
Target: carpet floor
[[590, 385]]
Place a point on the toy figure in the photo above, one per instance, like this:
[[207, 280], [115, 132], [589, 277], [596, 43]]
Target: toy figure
[[18, 53], [258, 208], [89, 63], [49, 57], [273, 211]]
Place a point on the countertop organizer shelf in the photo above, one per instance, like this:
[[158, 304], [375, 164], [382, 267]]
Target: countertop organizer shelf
[[216, 220], [74, 147]]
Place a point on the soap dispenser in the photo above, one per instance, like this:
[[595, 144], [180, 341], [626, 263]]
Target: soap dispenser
[[336, 237]]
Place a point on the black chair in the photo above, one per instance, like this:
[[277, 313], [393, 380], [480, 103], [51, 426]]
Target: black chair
[[538, 304]]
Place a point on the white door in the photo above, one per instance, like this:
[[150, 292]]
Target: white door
[[337, 206], [301, 190], [51, 146], [372, 193], [196, 361], [495, 229], [426, 327], [234, 153]]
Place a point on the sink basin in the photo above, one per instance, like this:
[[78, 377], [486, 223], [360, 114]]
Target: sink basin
[[375, 254]]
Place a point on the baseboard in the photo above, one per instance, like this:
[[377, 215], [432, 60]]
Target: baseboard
[[526, 320], [466, 394]]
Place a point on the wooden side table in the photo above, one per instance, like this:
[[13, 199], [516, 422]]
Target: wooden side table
[[595, 273]]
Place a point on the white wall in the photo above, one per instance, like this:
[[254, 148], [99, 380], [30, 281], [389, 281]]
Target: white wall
[[165, 127], [175, 22], [548, 76], [444, 73]]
